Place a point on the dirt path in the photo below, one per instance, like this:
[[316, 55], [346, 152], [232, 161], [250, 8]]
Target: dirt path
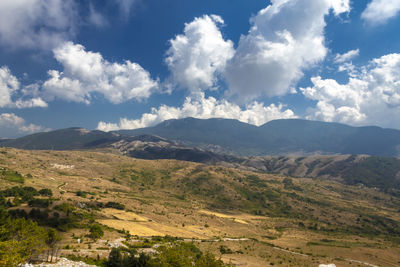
[[291, 252], [60, 187]]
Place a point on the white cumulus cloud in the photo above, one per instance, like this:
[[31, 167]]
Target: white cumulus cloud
[[85, 73], [285, 38], [10, 124], [380, 11], [198, 106], [198, 56], [10, 87], [371, 96]]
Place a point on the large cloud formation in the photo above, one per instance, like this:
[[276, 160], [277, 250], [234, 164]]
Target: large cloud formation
[[196, 57], [199, 106], [380, 11], [85, 73], [285, 38], [371, 96]]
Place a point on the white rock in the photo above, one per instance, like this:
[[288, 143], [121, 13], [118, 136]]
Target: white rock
[[63, 262]]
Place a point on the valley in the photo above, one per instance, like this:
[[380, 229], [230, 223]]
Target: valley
[[240, 216]]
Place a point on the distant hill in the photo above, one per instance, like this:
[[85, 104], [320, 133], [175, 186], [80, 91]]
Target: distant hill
[[230, 137], [154, 147], [64, 139], [277, 137], [218, 135]]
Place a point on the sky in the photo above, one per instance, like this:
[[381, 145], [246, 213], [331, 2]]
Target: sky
[[126, 64]]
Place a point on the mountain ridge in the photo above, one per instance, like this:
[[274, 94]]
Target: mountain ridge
[[235, 138], [277, 137]]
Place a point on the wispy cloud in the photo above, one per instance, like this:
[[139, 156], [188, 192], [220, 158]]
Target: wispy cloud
[[380, 11], [10, 89], [342, 58], [11, 124]]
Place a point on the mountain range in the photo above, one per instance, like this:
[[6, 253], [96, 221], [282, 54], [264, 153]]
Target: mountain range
[[232, 137], [295, 148], [278, 137]]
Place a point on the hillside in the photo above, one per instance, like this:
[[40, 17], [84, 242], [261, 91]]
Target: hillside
[[238, 215], [277, 137], [362, 170]]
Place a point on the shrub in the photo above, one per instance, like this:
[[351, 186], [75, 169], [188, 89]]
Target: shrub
[[80, 193], [45, 192], [39, 202], [115, 205]]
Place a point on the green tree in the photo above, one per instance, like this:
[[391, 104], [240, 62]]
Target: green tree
[[95, 231], [20, 240], [115, 259]]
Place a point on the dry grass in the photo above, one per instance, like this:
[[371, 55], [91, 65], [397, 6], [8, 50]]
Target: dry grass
[[123, 215], [161, 203]]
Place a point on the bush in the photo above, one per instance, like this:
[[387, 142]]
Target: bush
[[39, 202], [45, 192], [81, 193], [115, 205]]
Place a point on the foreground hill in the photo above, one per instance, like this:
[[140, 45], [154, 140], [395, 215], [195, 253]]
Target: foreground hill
[[277, 137], [241, 216]]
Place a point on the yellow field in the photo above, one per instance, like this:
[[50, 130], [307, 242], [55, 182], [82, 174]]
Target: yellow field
[[149, 229], [239, 218], [123, 215]]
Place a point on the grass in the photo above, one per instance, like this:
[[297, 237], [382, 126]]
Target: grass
[[11, 176]]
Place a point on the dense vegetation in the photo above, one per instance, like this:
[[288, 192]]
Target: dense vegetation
[[21, 238], [26, 233]]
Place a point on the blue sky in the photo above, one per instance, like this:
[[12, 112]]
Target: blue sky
[[124, 64]]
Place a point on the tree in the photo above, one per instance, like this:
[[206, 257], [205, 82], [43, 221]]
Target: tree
[[96, 231], [20, 240], [115, 259]]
